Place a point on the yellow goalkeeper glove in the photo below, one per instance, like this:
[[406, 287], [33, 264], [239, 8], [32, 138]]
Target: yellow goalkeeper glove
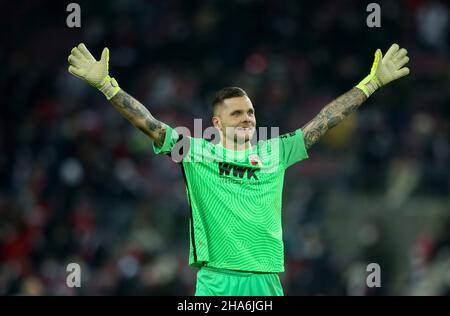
[[84, 66], [385, 69]]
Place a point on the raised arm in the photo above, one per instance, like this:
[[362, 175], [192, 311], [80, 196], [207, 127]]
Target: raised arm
[[331, 115], [139, 116], [384, 70], [84, 66]]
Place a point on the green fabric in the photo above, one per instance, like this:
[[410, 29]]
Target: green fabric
[[221, 282], [236, 204]]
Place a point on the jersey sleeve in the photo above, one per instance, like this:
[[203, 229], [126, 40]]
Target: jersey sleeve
[[176, 145], [170, 140], [292, 148]]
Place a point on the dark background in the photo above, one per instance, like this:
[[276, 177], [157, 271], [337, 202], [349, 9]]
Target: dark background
[[79, 184]]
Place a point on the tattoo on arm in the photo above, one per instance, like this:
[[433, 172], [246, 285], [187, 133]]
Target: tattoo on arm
[[331, 115], [139, 116]]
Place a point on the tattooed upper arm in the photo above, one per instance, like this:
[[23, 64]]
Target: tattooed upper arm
[[331, 115], [139, 116]]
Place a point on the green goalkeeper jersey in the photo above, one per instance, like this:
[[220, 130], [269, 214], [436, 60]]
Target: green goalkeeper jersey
[[235, 199]]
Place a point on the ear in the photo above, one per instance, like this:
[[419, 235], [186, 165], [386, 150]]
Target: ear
[[216, 122]]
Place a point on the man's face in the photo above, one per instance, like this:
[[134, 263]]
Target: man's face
[[235, 118]]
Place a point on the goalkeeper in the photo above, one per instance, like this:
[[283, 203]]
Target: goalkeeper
[[235, 202]]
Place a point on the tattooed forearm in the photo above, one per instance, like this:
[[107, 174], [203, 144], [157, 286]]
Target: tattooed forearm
[[139, 116], [331, 115]]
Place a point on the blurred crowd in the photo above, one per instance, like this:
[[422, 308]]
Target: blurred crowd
[[79, 184]]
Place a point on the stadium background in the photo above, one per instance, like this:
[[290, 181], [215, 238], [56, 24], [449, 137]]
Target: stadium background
[[79, 184]]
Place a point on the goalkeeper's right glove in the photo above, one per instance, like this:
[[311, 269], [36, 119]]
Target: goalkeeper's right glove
[[385, 69], [84, 66]]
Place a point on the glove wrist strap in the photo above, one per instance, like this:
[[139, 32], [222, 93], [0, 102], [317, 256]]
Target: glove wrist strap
[[369, 85], [109, 87]]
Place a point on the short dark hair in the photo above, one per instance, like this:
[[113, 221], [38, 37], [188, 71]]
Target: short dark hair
[[226, 93]]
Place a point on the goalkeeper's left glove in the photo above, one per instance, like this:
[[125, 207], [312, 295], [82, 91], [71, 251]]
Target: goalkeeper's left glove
[[385, 69], [84, 66]]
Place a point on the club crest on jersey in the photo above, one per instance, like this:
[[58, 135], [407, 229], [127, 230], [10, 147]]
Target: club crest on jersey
[[254, 160]]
